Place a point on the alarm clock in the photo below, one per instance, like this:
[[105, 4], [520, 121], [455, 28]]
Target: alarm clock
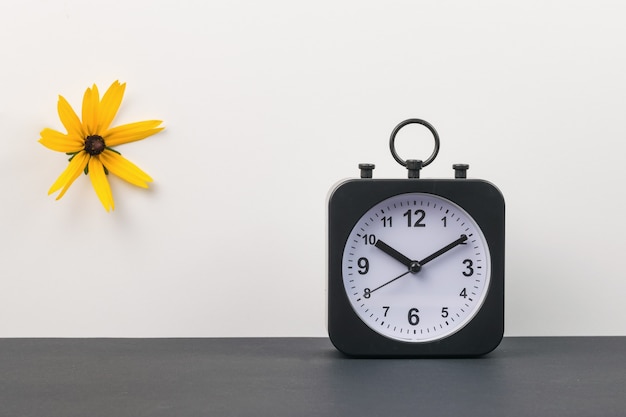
[[415, 265]]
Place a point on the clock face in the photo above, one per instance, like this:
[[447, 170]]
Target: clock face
[[416, 268]]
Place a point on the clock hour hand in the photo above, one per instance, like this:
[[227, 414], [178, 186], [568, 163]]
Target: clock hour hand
[[413, 266], [443, 250]]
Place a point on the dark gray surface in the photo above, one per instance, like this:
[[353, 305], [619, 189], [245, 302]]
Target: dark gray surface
[[306, 377]]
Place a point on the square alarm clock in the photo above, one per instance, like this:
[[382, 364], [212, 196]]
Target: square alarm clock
[[415, 266]]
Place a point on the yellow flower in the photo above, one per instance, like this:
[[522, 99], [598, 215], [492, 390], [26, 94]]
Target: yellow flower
[[89, 143]]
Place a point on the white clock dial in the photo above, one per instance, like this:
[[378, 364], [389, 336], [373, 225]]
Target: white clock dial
[[416, 267]]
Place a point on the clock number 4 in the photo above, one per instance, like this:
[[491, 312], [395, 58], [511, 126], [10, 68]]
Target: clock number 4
[[420, 214]]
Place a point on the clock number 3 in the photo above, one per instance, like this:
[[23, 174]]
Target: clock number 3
[[469, 271]]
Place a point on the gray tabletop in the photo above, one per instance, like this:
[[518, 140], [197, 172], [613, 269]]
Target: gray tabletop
[[306, 377]]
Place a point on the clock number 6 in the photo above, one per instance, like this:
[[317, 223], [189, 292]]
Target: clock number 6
[[414, 319]]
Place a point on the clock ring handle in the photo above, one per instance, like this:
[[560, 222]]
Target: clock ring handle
[[413, 164]]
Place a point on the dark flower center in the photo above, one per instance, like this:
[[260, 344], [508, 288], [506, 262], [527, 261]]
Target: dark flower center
[[94, 145]]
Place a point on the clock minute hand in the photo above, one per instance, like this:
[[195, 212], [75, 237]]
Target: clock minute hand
[[443, 250]]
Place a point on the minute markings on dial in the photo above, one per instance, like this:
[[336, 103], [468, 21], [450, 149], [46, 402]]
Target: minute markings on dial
[[406, 246]]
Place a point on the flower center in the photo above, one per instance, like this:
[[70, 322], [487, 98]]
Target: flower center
[[94, 145]]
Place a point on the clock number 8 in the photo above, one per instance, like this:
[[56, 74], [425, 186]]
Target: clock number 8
[[367, 293]]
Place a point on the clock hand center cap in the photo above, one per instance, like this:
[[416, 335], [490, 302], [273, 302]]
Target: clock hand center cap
[[415, 267]]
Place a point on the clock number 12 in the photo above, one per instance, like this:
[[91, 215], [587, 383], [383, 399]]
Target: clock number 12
[[420, 217]]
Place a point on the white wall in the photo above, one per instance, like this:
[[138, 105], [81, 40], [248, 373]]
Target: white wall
[[267, 104]]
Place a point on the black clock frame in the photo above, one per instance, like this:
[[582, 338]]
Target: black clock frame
[[349, 201]]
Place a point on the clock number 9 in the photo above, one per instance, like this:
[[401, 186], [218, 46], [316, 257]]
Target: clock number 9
[[364, 266], [414, 319]]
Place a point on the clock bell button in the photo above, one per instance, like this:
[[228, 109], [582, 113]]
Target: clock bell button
[[460, 170], [366, 170], [414, 167]]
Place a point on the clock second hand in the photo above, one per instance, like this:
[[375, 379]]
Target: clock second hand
[[414, 266], [389, 282]]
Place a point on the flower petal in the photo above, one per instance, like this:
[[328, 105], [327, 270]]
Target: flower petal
[[100, 183], [69, 118], [131, 132], [91, 101], [110, 104], [123, 168], [59, 142], [67, 177]]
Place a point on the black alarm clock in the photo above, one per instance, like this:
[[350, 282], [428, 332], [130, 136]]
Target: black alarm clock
[[415, 265]]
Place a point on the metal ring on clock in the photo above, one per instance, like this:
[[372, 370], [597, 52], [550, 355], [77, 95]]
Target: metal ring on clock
[[392, 141]]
